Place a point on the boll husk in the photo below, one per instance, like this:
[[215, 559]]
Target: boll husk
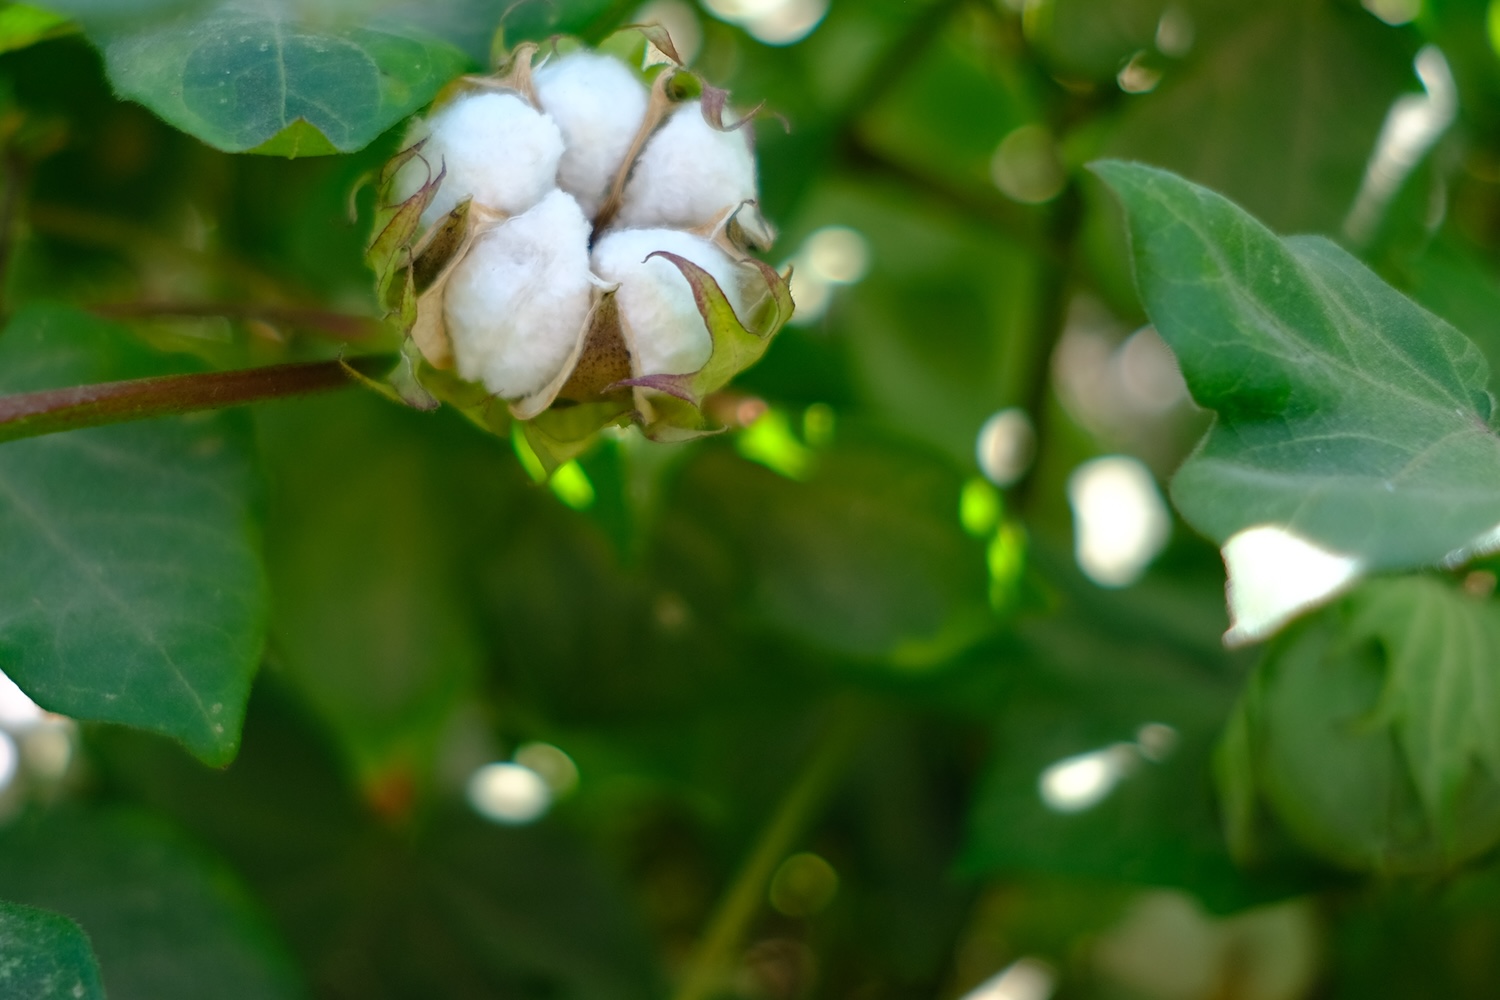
[[599, 105], [572, 246]]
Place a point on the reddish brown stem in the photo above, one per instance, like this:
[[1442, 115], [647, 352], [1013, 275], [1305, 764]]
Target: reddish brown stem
[[33, 413]]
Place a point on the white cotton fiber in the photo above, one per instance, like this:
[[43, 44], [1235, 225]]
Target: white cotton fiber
[[689, 174], [667, 335], [599, 105], [515, 306], [497, 149]]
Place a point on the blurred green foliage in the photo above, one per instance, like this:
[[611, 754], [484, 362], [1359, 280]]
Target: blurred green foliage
[[826, 706]]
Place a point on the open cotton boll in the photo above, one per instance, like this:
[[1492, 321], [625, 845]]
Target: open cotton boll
[[689, 174], [667, 335], [516, 304], [599, 105], [497, 149]]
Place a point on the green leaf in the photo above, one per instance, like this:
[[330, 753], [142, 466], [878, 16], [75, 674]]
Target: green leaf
[[284, 77], [1347, 415], [45, 956], [134, 591], [1374, 734], [166, 920], [1442, 686]]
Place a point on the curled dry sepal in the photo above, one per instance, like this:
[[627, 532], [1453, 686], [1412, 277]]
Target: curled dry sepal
[[566, 243]]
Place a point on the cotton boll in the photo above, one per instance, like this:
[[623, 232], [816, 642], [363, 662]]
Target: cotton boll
[[515, 306], [667, 335], [599, 105], [497, 149], [689, 174]]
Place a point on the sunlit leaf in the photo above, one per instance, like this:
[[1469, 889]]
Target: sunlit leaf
[[45, 956], [134, 592], [1349, 418]]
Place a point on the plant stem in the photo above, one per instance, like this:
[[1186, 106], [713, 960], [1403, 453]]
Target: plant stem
[[741, 902], [31, 414]]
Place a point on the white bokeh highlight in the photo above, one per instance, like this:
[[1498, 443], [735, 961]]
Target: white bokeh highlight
[[1023, 979], [1084, 780], [509, 794], [1121, 522]]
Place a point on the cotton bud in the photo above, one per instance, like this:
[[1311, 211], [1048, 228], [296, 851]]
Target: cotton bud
[[690, 174], [663, 328], [599, 105], [496, 148], [515, 305]]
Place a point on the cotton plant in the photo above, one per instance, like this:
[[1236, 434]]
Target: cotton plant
[[567, 243]]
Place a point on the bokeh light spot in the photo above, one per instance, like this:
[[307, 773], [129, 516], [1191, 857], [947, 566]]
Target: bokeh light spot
[[1006, 446], [803, 885], [507, 793], [552, 763], [1026, 166], [1023, 979], [1121, 522]]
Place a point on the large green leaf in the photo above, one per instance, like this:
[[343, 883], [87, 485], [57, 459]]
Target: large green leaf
[[166, 920], [133, 589], [1348, 417], [45, 956], [286, 77]]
